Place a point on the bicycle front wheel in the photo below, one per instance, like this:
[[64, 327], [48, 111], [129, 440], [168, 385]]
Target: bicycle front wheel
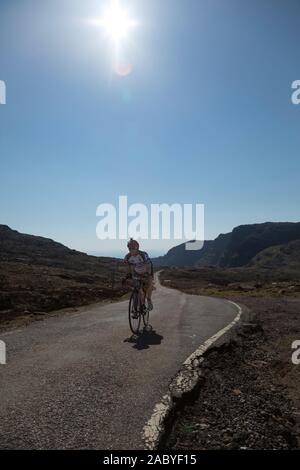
[[134, 313]]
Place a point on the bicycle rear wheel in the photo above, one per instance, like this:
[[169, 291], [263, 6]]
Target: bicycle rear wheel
[[134, 313]]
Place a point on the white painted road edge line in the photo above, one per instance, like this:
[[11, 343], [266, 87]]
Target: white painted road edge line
[[154, 427], [204, 347]]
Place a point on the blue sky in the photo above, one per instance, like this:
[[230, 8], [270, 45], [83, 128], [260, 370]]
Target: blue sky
[[205, 116]]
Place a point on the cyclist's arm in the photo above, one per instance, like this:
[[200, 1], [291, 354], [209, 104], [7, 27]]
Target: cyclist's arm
[[147, 260], [128, 266], [152, 269]]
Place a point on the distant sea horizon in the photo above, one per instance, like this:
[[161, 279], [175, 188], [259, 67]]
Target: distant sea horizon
[[121, 254]]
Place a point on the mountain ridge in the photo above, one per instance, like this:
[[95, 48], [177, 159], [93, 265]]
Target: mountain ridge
[[234, 249]]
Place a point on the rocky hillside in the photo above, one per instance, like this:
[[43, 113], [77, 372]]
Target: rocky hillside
[[236, 248], [179, 256], [279, 257], [39, 275], [247, 241], [31, 249]]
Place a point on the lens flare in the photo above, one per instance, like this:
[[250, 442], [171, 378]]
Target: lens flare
[[123, 69]]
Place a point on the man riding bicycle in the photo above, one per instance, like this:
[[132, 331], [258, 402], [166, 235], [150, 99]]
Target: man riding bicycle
[[140, 268]]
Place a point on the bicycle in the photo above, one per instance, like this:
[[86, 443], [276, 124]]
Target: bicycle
[[135, 309]]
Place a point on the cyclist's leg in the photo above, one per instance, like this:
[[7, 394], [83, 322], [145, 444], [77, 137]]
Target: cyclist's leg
[[142, 295], [136, 298], [149, 289]]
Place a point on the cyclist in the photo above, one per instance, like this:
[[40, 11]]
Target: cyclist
[[140, 268]]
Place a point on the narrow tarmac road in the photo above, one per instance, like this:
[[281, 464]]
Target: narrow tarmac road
[[78, 381]]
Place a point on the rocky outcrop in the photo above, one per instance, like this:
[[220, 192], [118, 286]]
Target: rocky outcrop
[[236, 248]]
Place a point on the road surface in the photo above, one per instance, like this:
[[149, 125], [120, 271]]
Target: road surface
[[79, 381]]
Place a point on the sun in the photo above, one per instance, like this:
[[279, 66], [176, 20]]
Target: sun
[[116, 21]]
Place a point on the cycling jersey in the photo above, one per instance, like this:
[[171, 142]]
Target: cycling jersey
[[140, 262]]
